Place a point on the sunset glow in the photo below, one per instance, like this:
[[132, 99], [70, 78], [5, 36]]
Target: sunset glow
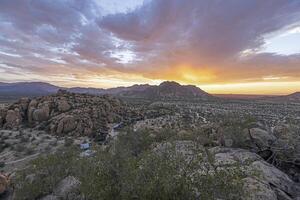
[[102, 43]]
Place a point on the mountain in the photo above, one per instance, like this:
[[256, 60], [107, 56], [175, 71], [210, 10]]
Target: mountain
[[168, 90], [294, 97], [111, 91], [27, 89]]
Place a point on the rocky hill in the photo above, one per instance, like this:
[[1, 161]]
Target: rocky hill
[[168, 90], [64, 113]]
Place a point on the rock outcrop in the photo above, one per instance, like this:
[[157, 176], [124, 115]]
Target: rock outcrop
[[13, 118], [262, 181], [65, 114]]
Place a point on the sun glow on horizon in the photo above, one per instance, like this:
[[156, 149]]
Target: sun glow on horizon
[[255, 88]]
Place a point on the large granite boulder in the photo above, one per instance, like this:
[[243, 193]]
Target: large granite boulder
[[31, 107], [24, 102], [13, 119], [257, 139], [63, 105], [67, 124], [42, 113], [258, 190]]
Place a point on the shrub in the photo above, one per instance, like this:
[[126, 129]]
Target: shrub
[[68, 141], [47, 172], [20, 148], [130, 169]]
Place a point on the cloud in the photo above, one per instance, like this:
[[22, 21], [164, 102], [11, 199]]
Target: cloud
[[192, 41], [203, 34]]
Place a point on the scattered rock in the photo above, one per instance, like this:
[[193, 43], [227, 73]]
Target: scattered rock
[[67, 188]]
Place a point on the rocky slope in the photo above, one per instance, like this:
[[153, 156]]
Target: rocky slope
[[262, 180], [64, 113]]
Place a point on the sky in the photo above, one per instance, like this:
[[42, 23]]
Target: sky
[[232, 46]]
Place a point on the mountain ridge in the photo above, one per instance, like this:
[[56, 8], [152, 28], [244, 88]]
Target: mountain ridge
[[166, 90]]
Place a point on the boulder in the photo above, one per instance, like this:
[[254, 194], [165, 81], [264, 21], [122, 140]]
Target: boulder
[[66, 125], [258, 138], [41, 114], [63, 106], [24, 102], [262, 181], [275, 177], [31, 107], [67, 188], [256, 190], [33, 103], [13, 118]]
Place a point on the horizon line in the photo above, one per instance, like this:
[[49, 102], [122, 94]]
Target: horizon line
[[91, 87]]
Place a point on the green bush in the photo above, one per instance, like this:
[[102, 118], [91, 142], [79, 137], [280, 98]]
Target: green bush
[[152, 175], [46, 171], [130, 169]]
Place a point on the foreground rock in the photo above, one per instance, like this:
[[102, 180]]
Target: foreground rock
[[264, 181], [279, 146], [66, 189]]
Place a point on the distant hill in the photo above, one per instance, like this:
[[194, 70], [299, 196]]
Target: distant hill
[[111, 91], [243, 96], [11, 90], [168, 90], [294, 97]]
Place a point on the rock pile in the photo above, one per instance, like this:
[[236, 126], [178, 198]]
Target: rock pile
[[64, 114]]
